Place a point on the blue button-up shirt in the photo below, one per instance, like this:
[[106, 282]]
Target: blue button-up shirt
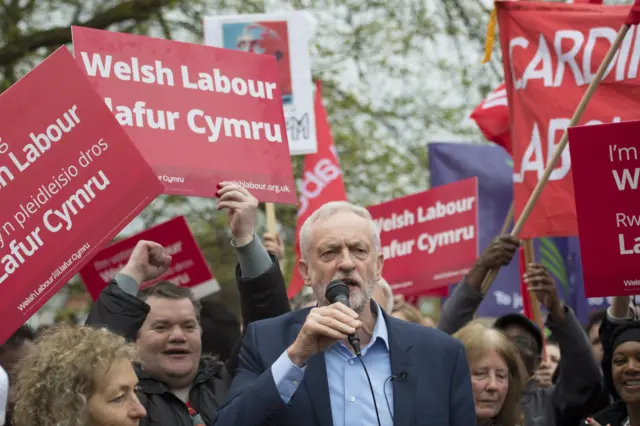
[[349, 391]]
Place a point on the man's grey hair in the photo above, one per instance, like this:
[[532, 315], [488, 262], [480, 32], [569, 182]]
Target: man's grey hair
[[388, 294], [330, 209]]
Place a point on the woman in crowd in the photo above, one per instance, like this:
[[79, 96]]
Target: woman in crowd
[[624, 361], [407, 312], [77, 376], [497, 375]]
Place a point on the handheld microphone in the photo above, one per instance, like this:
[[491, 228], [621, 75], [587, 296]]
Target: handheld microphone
[[337, 291]]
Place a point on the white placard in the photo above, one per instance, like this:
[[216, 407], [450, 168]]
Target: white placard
[[285, 35]]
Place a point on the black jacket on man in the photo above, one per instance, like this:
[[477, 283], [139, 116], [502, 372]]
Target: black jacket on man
[[261, 297]]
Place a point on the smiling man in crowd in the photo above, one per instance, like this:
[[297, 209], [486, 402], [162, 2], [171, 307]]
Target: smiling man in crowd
[[179, 386]]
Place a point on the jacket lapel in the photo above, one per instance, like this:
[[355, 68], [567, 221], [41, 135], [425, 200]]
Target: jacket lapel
[[404, 390], [317, 386], [315, 379]]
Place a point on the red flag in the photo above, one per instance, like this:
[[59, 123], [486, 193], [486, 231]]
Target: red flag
[[634, 14], [492, 117], [543, 94], [321, 182], [524, 290]]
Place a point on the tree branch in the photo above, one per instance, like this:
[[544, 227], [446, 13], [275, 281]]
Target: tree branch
[[138, 10]]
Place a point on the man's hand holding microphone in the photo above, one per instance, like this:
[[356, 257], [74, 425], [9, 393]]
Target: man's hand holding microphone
[[323, 327], [326, 325]]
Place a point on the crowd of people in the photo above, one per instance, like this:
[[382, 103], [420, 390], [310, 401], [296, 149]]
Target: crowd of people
[[158, 356]]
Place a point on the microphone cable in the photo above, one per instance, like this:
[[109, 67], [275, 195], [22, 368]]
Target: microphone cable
[[373, 395], [393, 377], [386, 398]]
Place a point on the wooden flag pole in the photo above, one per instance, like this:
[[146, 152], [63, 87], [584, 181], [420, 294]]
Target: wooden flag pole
[[577, 115], [507, 220]]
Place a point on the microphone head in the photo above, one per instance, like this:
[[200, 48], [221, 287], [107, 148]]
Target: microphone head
[[335, 289]]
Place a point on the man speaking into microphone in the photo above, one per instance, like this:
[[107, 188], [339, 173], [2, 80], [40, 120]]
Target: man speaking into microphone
[[302, 368]]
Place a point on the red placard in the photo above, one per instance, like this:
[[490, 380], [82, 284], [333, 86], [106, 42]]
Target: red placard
[[606, 169], [551, 51], [70, 180], [429, 239], [188, 266], [198, 114]]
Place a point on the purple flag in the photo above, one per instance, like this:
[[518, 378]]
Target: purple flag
[[450, 162]]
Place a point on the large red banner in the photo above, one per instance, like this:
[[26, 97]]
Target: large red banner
[[606, 169], [188, 266], [200, 115], [429, 239], [551, 52], [70, 179]]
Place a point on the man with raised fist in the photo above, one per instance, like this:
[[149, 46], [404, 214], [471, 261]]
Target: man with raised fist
[[179, 386]]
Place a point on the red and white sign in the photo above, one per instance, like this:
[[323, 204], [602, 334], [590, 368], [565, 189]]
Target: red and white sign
[[606, 171], [188, 266], [70, 180], [429, 239], [199, 115], [551, 52]]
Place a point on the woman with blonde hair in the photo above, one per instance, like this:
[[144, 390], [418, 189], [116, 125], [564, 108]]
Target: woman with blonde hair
[[77, 376], [407, 312], [497, 375]]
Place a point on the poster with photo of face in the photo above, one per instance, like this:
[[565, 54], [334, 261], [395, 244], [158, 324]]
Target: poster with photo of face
[[267, 38], [285, 36]]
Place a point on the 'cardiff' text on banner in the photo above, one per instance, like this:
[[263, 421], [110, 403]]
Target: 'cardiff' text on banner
[[551, 53]]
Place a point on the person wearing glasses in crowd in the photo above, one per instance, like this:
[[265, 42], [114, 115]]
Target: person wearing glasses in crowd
[[579, 385]]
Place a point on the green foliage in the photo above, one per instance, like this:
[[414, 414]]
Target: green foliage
[[396, 75]]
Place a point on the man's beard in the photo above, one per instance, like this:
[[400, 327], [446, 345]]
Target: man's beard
[[358, 300]]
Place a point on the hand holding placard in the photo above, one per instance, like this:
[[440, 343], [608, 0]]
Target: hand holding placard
[[241, 209]]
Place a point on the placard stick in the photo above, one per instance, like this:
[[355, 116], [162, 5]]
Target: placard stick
[[507, 220], [272, 227], [505, 227], [577, 115], [529, 257]]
